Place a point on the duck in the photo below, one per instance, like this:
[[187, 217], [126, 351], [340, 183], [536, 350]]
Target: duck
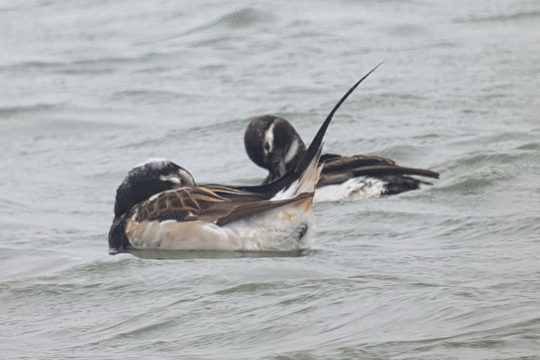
[[271, 142], [159, 206]]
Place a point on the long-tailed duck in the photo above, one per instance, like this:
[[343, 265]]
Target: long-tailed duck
[[273, 144], [159, 205]]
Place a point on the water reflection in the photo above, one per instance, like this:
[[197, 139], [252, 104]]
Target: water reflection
[[159, 254]]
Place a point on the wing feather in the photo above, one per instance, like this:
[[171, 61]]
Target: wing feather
[[249, 209], [341, 163], [338, 169], [215, 204]]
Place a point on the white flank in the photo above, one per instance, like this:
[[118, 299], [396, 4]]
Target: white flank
[[280, 229], [352, 189]]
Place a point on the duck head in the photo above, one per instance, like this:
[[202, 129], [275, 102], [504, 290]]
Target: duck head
[[148, 179], [273, 144]]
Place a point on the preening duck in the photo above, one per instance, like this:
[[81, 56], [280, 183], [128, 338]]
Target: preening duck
[[159, 205], [272, 143], [177, 215]]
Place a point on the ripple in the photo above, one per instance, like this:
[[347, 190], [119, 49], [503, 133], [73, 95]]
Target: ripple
[[18, 264], [520, 16], [237, 20], [36, 109], [183, 255]]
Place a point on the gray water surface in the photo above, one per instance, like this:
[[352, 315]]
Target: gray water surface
[[90, 89]]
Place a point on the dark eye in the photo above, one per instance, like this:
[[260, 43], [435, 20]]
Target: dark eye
[[267, 147]]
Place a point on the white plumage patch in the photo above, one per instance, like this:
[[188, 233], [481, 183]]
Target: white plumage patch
[[269, 139], [352, 189], [170, 178], [293, 149], [287, 193], [281, 229]]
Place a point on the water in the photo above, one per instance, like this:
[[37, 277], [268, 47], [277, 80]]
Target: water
[[90, 89]]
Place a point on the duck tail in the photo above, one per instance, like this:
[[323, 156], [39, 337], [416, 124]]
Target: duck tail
[[310, 177], [316, 144], [309, 170], [305, 182]]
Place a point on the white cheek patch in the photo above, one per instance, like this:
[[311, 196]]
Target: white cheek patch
[[269, 139], [170, 178], [293, 150], [188, 179], [178, 178]]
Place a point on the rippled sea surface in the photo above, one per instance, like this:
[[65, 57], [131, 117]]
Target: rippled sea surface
[[91, 88]]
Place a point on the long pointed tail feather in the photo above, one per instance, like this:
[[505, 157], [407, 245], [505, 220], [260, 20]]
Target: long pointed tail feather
[[317, 140], [309, 179]]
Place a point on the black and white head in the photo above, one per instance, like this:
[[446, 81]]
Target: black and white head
[[272, 143], [148, 179]]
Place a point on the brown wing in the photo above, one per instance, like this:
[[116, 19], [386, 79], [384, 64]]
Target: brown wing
[[343, 163], [214, 203], [338, 169], [248, 209]]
